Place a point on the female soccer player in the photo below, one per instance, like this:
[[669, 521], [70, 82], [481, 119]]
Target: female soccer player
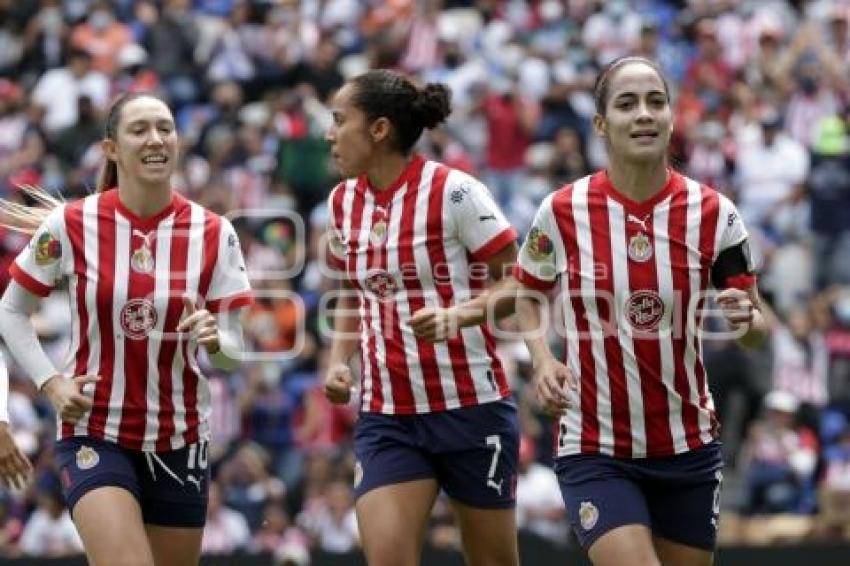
[[150, 277], [415, 243], [636, 249]]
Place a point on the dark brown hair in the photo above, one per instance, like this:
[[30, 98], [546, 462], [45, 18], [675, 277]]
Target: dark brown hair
[[384, 93], [603, 80]]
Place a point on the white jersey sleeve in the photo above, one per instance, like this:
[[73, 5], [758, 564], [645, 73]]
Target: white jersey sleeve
[[731, 229], [541, 257], [481, 226], [43, 262], [230, 288]]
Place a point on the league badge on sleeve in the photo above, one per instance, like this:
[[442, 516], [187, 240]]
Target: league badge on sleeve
[[47, 249], [640, 248], [540, 246]]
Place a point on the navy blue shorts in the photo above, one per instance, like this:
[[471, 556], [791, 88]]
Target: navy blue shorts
[[171, 487], [472, 452], [676, 497]]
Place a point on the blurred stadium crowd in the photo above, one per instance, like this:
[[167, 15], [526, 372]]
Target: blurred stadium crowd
[[762, 108]]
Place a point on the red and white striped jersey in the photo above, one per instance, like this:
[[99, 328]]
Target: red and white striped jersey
[[421, 242], [633, 278], [126, 277]]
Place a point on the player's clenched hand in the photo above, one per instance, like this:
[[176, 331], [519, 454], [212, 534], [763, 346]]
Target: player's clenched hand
[[338, 383], [15, 468], [201, 324], [435, 324], [67, 397], [551, 381], [737, 307]]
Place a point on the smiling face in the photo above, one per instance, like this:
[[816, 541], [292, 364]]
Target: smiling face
[[637, 121], [351, 146], [145, 143]]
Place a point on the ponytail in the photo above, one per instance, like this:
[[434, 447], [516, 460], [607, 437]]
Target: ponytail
[[108, 177], [27, 219]]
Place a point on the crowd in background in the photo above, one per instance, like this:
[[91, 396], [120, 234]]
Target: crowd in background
[[761, 97]]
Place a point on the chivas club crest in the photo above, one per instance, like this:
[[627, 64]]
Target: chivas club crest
[[640, 248], [87, 458], [142, 259], [379, 233], [588, 514]]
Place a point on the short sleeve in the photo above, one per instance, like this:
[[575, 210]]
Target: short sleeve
[[481, 226], [733, 265], [230, 288], [541, 258], [731, 226], [38, 268]]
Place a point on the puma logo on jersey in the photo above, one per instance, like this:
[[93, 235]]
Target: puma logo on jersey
[[636, 220], [195, 481]]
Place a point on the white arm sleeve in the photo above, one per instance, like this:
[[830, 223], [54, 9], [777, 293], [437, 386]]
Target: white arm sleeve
[[16, 307], [230, 342]]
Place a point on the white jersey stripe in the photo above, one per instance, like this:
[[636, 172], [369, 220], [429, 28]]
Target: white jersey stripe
[[160, 298], [411, 350], [620, 274], [91, 239], [429, 291], [581, 216], [663, 265], [119, 299], [361, 234], [694, 216]]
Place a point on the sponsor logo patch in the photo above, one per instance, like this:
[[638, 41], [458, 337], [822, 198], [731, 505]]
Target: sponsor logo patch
[[138, 317], [645, 309], [382, 284]]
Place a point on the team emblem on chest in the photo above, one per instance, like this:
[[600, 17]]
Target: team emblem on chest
[[138, 318], [142, 259], [379, 233], [640, 248]]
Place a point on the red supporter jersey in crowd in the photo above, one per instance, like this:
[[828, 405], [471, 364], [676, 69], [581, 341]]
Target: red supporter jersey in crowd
[[421, 242], [126, 277], [633, 278]]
